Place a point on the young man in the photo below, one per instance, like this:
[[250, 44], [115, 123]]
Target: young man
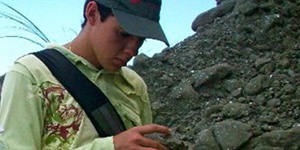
[[37, 112]]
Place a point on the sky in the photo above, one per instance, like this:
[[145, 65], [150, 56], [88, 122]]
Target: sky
[[60, 21]]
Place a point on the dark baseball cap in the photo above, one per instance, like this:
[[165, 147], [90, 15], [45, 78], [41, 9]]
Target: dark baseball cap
[[138, 17]]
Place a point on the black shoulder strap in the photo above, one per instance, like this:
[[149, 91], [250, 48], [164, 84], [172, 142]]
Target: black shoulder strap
[[98, 108]]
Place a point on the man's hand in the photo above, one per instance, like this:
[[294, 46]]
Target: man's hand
[[133, 139]]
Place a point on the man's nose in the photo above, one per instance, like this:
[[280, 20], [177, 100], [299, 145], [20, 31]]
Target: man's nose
[[133, 45]]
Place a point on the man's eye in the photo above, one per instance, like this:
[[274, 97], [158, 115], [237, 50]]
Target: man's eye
[[124, 34]]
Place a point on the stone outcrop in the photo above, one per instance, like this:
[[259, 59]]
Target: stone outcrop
[[234, 84]]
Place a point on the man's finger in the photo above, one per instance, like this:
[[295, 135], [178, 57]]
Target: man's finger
[[145, 142], [153, 128]]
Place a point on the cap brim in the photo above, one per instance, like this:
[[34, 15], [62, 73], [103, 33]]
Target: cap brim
[[139, 26]]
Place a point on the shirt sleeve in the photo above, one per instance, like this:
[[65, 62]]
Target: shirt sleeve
[[20, 113], [140, 88], [146, 113]]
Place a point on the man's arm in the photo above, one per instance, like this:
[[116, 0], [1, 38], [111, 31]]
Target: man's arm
[[20, 113]]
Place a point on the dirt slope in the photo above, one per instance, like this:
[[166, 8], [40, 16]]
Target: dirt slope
[[234, 84]]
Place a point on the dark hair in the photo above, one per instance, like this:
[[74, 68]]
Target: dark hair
[[104, 12]]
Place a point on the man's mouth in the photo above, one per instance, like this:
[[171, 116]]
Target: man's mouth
[[121, 62]]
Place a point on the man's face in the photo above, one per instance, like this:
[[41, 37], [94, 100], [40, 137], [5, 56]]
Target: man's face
[[113, 47]]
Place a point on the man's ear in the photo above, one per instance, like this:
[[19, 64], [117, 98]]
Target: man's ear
[[91, 13]]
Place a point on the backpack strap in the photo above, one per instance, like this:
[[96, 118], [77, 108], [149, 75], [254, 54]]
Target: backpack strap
[[96, 105]]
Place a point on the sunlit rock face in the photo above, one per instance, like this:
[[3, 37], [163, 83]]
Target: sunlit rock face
[[234, 84]]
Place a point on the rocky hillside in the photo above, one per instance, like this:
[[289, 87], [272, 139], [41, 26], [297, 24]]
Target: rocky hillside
[[234, 84]]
